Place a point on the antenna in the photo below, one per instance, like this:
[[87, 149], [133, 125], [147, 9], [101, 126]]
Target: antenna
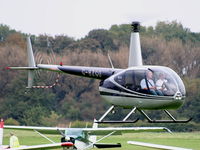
[[70, 124], [110, 61]]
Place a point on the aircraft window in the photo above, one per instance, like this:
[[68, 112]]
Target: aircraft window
[[73, 133], [130, 79], [165, 83], [108, 84], [160, 81], [168, 82], [138, 76], [148, 84], [178, 80], [120, 79]]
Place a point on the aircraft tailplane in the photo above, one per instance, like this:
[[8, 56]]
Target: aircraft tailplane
[[93, 138], [31, 64], [31, 59], [135, 56]]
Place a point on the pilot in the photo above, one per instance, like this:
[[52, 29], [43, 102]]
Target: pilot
[[148, 84]]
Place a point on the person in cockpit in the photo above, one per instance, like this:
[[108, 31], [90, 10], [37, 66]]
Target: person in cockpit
[[161, 82], [149, 85], [165, 85]]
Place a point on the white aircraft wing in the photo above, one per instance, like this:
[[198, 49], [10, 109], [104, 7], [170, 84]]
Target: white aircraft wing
[[91, 131], [45, 130], [120, 130], [157, 146], [43, 146]]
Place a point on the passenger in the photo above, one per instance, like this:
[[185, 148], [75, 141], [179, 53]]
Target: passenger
[[161, 83], [166, 86], [148, 84]]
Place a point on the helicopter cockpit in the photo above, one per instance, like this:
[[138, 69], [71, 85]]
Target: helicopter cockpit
[[161, 81]]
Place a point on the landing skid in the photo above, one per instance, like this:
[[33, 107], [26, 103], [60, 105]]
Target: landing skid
[[112, 122], [172, 119]]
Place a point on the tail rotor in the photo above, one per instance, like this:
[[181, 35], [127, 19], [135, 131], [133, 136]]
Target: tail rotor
[[34, 70]]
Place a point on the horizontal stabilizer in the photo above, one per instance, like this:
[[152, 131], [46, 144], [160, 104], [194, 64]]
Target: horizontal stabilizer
[[107, 145], [22, 68]]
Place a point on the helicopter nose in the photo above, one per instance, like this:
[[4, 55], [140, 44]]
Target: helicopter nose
[[178, 96]]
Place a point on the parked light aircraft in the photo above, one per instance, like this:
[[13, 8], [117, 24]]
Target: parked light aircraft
[[133, 88], [64, 144], [80, 138]]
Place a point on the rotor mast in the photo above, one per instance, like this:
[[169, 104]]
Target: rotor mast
[[135, 55]]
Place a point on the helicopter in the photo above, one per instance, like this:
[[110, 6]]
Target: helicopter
[[139, 87]]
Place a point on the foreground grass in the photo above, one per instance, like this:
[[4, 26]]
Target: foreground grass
[[186, 140]]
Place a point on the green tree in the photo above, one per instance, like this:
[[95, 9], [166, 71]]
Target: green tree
[[104, 38], [5, 31]]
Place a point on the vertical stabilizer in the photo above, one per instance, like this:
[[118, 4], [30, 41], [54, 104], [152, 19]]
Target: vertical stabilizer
[[135, 56], [31, 62], [93, 138], [95, 125], [1, 132]]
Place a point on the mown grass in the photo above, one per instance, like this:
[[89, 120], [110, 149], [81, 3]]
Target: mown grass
[[187, 140]]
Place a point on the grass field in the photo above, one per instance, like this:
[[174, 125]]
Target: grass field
[[186, 140]]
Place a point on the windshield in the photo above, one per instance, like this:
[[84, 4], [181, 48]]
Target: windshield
[[75, 133], [164, 81], [160, 81], [178, 80]]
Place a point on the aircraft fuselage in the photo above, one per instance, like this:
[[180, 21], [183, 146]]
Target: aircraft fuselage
[[122, 87]]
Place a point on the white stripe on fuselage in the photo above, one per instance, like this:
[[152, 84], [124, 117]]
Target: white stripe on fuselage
[[134, 94]]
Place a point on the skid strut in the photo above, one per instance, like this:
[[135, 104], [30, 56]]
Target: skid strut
[[173, 120], [123, 121]]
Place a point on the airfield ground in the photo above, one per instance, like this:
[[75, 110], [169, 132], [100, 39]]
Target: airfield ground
[[188, 140]]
